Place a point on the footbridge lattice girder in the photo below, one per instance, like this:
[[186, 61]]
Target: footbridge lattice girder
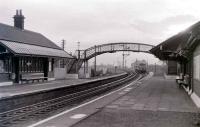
[[84, 55], [114, 47]]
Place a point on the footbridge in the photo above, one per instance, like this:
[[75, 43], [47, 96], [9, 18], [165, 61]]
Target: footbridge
[[82, 56]]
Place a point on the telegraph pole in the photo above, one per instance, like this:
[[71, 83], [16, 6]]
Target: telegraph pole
[[124, 55], [78, 44], [78, 49], [63, 44]]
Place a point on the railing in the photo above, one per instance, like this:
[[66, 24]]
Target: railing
[[84, 55], [111, 48]]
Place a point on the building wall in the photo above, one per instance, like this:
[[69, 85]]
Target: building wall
[[60, 68], [196, 70], [5, 69], [172, 67], [60, 73], [4, 77]]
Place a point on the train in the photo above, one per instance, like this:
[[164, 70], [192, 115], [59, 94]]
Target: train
[[140, 66]]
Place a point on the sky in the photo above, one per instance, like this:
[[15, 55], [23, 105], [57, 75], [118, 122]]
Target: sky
[[95, 22]]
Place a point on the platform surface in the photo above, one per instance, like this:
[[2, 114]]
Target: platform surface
[[152, 102], [18, 89], [156, 103]]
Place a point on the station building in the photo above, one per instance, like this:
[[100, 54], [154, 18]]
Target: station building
[[26, 54], [183, 50]]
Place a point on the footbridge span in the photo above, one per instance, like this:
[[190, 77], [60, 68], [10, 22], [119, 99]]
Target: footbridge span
[[82, 56]]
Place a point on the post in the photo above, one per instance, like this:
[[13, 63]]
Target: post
[[95, 61], [78, 45], [77, 61], [125, 63], [86, 66], [46, 66], [84, 62], [63, 44], [16, 70], [123, 60], [124, 55], [78, 49], [78, 54]]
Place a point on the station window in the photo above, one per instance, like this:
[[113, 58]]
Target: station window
[[31, 64], [62, 63], [1, 66], [5, 65]]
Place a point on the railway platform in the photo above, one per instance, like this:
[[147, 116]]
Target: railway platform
[[152, 102], [156, 103], [20, 89]]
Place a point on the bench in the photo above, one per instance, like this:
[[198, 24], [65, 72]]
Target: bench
[[184, 82], [179, 78], [32, 77]]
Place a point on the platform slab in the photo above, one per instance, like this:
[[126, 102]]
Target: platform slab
[[19, 89], [158, 102]]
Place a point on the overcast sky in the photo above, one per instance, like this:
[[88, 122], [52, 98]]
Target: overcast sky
[[94, 22]]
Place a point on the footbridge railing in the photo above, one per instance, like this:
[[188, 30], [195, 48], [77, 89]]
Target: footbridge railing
[[84, 55]]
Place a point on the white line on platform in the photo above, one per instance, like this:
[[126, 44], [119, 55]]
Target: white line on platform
[[78, 116], [40, 84], [67, 111], [122, 93]]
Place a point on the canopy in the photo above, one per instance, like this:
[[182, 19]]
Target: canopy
[[27, 49]]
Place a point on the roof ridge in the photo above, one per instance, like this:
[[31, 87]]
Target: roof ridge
[[27, 43], [18, 28], [12, 33]]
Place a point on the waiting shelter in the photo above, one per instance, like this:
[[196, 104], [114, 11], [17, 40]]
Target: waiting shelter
[[184, 49], [25, 54]]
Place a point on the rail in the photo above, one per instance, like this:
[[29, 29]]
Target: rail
[[75, 93]]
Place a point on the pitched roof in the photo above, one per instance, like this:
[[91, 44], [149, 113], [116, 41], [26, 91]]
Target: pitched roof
[[25, 36], [25, 42], [33, 50]]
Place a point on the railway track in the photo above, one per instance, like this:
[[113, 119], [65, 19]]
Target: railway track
[[13, 118]]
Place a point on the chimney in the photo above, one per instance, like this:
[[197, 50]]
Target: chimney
[[19, 20]]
